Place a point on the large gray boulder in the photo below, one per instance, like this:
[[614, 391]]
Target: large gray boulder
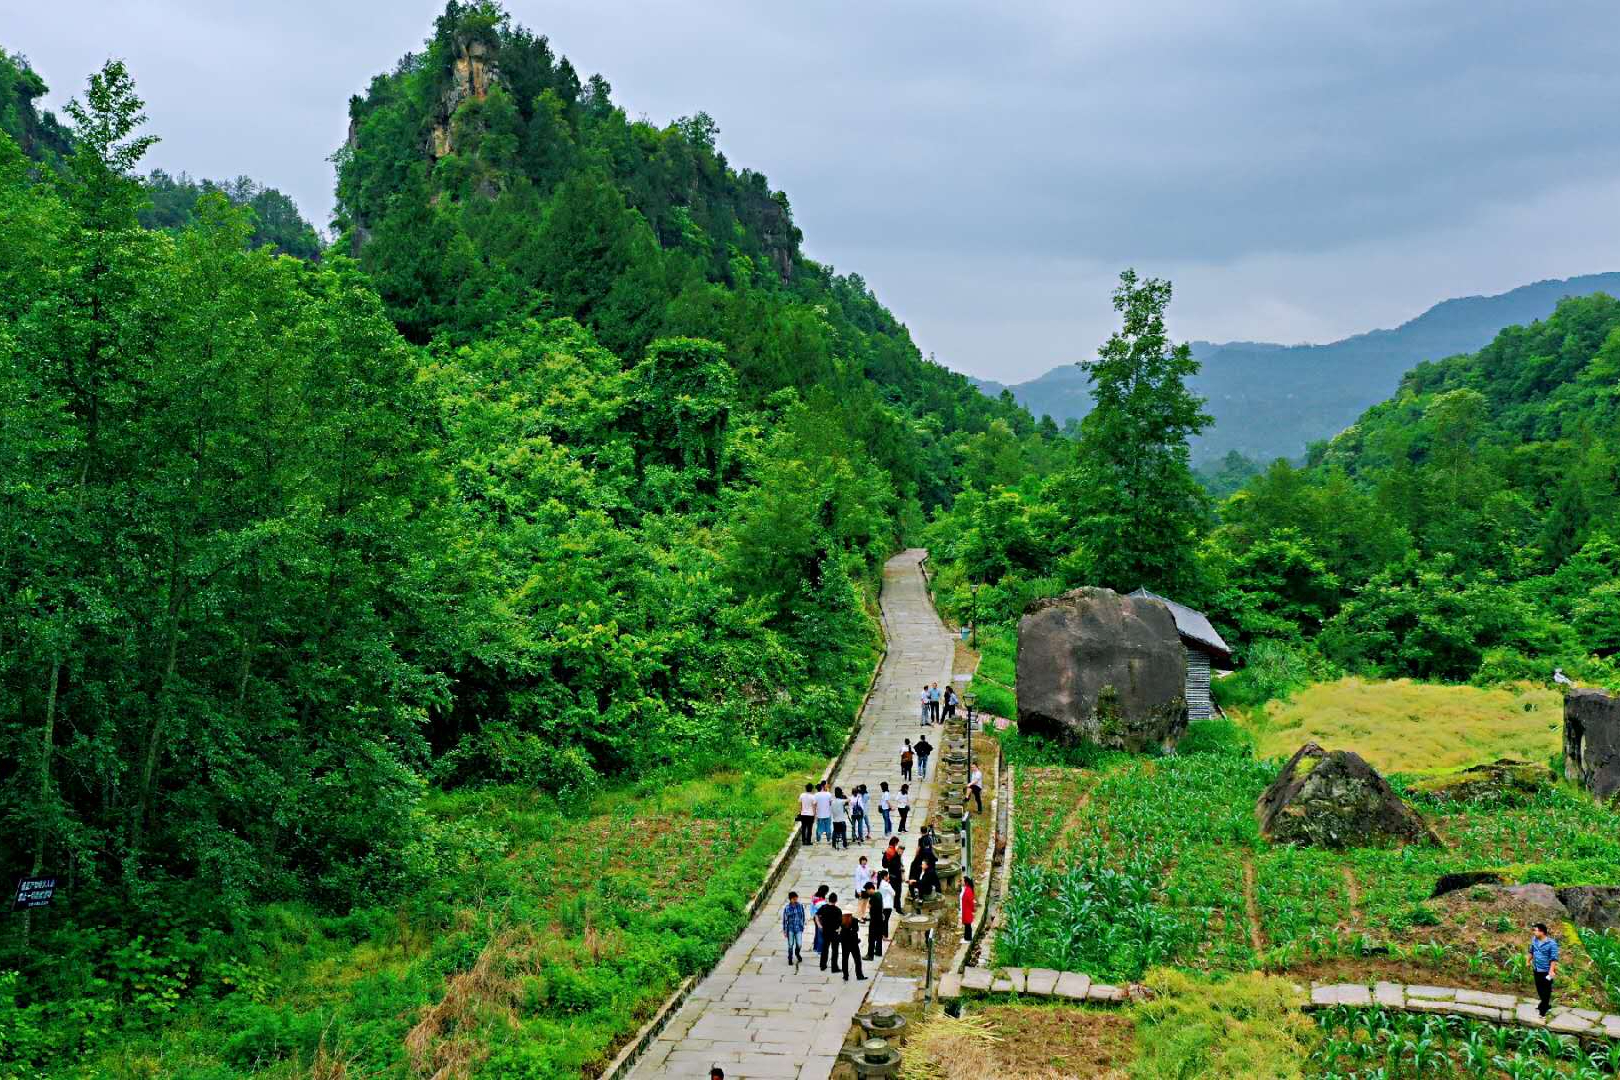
[[1595, 907], [1333, 798], [1592, 741], [1095, 666]]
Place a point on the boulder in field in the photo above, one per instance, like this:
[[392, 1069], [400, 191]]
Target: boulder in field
[[1095, 666], [1332, 798], [1595, 907], [1592, 741], [1504, 781]]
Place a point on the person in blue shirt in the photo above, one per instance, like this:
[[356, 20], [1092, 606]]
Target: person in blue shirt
[[793, 927], [1543, 964]]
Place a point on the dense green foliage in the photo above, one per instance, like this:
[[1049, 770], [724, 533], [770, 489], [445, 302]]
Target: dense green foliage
[[40, 135], [275, 217], [287, 548], [484, 182]]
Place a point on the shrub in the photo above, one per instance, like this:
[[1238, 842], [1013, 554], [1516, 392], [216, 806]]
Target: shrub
[[1244, 1026]]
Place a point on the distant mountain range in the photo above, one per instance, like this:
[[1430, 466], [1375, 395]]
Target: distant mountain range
[[1270, 401]]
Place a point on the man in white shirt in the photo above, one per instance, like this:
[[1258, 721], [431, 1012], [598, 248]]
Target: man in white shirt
[[976, 785], [807, 812], [824, 801]]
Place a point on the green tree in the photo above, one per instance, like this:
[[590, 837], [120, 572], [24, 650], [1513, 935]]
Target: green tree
[[1136, 505]]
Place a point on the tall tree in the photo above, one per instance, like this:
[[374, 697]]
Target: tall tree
[[1136, 505]]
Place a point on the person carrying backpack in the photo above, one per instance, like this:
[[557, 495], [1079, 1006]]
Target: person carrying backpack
[[906, 757]]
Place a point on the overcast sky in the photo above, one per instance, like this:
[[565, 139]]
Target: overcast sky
[[1301, 171]]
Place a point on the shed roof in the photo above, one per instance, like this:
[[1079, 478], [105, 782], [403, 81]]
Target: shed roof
[[1194, 628]]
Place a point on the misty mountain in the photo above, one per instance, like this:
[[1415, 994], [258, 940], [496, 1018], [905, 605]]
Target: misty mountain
[[1271, 400]]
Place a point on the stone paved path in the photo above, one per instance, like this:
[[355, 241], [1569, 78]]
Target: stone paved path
[[754, 1016]]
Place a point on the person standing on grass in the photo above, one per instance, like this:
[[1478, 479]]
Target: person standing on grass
[[793, 928], [840, 819], [824, 801], [925, 701], [831, 917], [902, 803], [967, 908], [905, 761], [924, 748], [883, 910], [817, 943], [1543, 964], [884, 799], [894, 865], [807, 813], [976, 787], [849, 935]]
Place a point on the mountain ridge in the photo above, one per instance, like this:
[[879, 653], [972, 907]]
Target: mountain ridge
[[1270, 400]]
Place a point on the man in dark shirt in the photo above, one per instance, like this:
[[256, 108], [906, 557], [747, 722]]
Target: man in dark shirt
[[831, 918], [923, 748]]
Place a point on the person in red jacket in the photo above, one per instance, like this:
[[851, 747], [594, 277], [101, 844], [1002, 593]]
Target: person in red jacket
[[967, 909]]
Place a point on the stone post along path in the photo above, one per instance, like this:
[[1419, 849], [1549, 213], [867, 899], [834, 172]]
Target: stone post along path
[[753, 1015]]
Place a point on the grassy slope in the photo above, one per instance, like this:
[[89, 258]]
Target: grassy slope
[[544, 939], [1410, 727]]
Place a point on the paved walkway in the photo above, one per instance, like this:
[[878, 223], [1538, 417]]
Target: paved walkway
[[754, 1016]]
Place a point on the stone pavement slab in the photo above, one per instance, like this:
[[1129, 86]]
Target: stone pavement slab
[[805, 1012]]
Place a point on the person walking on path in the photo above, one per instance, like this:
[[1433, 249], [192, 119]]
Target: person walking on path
[[967, 908], [807, 813], [905, 761], [884, 909], [840, 819], [817, 943], [850, 936], [831, 918], [902, 803], [926, 703], [894, 864], [976, 786], [857, 814], [1543, 964], [824, 801], [793, 928], [933, 703], [884, 799], [924, 748]]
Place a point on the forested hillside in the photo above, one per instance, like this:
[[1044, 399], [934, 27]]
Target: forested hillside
[[1461, 530], [564, 466], [1271, 401]]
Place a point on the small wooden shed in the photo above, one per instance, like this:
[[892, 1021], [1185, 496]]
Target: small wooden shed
[[1204, 649]]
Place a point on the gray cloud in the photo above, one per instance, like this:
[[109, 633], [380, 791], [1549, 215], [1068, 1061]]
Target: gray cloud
[[1303, 170]]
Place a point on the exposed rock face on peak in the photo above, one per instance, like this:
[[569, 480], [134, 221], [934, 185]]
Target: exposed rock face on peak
[[1332, 798], [1592, 741], [1100, 667], [472, 71]]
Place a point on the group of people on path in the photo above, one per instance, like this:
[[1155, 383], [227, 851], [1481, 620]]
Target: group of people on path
[[879, 894], [843, 819], [938, 706], [827, 812]]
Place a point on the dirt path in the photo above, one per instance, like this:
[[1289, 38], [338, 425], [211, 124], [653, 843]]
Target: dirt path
[[1251, 907]]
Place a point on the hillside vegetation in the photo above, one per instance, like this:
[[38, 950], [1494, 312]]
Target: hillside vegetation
[[324, 583], [1404, 726]]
